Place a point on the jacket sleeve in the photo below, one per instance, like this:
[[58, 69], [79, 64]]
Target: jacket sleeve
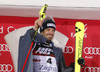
[[24, 46], [63, 67]]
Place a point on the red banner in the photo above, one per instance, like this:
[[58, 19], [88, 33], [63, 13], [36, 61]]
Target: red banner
[[91, 45]]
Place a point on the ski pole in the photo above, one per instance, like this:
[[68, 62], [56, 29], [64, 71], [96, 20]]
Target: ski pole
[[42, 13]]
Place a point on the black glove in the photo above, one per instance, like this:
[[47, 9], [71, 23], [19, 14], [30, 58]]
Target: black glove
[[72, 65], [81, 62]]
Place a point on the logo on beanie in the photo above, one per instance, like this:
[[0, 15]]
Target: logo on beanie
[[48, 25], [51, 25]]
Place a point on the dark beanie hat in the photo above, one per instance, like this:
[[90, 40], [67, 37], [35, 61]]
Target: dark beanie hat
[[48, 23]]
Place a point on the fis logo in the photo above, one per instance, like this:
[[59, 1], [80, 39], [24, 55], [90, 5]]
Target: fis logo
[[85, 34]]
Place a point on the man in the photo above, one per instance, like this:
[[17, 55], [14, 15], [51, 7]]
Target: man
[[44, 57]]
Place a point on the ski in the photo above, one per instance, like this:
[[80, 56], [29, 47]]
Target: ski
[[79, 35]]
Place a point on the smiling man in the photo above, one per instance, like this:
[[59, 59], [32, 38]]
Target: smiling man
[[48, 29], [44, 57]]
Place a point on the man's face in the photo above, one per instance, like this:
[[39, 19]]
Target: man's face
[[48, 33]]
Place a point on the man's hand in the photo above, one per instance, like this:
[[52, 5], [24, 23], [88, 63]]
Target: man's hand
[[38, 23], [81, 62]]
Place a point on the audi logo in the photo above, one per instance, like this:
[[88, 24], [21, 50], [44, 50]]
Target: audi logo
[[92, 69], [6, 68], [4, 47], [91, 50], [68, 49]]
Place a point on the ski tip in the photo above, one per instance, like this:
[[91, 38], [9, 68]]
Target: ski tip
[[79, 23], [79, 27]]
